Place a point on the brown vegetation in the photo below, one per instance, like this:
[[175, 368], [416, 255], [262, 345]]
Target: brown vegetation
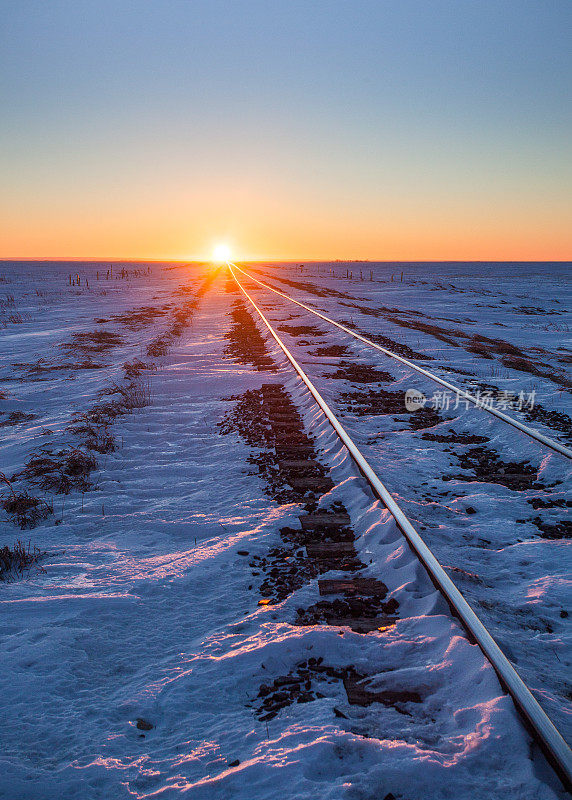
[[24, 510], [16, 560], [60, 471]]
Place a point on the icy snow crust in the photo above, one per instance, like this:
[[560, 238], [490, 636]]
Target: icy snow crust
[[145, 611]]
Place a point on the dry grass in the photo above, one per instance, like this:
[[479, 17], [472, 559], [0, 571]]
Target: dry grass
[[16, 417], [60, 472], [7, 301], [181, 318], [133, 369], [485, 347], [19, 558], [42, 365], [444, 334], [136, 394], [89, 342], [93, 425], [102, 413], [69, 469], [159, 346], [480, 349], [138, 318], [95, 437], [24, 510]]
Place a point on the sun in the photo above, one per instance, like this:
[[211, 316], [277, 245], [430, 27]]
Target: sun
[[221, 253]]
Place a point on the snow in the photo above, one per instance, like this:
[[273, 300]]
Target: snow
[[523, 580], [144, 610]]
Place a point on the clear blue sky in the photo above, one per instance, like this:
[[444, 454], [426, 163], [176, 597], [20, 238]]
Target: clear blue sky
[[421, 128]]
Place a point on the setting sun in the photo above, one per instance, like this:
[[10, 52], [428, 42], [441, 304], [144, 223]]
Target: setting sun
[[221, 253]]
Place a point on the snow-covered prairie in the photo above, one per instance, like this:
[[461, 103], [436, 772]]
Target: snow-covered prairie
[[137, 656]]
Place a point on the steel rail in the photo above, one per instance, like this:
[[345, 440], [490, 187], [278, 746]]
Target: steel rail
[[534, 434], [543, 730]]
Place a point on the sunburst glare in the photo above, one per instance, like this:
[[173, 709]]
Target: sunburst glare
[[221, 253]]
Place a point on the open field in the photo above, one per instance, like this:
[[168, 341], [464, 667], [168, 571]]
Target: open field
[[176, 512]]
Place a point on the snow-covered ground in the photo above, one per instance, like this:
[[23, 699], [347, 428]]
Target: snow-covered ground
[[134, 659], [516, 574]]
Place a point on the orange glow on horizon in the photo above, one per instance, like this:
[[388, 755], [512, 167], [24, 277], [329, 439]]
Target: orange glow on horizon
[[420, 245], [398, 138], [283, 227]]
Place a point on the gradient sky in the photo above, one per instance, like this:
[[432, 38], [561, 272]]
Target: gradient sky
[[398, 129]]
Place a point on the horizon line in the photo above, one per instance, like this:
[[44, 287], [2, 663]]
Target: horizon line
[[276, 259]]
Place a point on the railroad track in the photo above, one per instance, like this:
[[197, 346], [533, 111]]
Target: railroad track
[[552, 444], [338, 552]]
